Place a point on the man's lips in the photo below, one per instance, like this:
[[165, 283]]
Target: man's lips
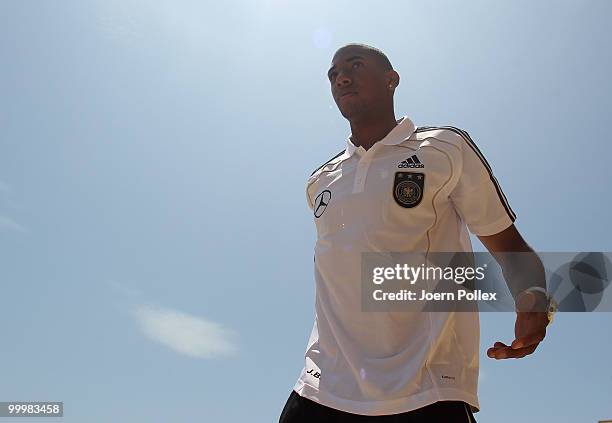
[[347, 94]]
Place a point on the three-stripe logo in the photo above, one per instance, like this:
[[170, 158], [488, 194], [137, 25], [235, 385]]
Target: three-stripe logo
[[411, 162]]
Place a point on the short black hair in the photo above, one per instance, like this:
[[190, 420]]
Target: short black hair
[[377, 53]]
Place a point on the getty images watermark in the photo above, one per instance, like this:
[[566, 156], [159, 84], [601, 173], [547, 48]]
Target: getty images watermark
[[577, 281], [412, 275]]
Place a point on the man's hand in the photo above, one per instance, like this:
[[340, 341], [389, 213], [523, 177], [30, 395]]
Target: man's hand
[[529, 331], [531, 317]]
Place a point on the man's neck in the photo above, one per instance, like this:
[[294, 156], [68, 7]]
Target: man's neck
[[366, 133]]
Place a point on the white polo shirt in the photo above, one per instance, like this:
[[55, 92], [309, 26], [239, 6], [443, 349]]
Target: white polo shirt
[[416, 190]]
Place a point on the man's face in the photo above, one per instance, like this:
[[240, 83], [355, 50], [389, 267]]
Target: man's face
[[359, 83]]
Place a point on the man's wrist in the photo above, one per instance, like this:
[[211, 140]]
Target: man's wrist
[[536, 299]]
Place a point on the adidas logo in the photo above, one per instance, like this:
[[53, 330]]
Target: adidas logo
[[411, 162]]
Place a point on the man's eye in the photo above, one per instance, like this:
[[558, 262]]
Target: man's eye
[[356, 65]]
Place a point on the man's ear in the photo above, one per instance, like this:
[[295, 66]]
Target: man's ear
[[393, 78]]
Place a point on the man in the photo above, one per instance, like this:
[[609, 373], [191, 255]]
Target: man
[[403, 189]]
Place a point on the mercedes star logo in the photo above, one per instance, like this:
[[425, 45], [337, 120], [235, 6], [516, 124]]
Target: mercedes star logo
[[321, 203]]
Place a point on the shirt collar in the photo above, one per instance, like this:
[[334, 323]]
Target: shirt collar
[[404, 130]]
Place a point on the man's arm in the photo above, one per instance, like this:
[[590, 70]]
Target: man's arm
[[521, 271]]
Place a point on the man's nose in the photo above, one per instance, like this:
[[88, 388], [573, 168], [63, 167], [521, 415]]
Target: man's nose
[[343, 80]]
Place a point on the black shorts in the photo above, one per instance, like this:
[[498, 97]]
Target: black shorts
[[302, 410]]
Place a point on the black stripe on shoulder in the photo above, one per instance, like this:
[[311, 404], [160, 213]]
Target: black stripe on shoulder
[[466, 137], [476, 150], [335, 157], [425, 128]]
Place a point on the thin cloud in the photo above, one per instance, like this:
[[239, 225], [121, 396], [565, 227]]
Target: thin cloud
[[482, 375], [124, 290], [8, 224], [186, 334]]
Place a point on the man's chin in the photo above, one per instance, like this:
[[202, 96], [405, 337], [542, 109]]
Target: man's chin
[[352, 112]]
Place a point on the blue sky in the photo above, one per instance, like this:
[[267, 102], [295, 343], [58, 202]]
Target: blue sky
[[155, 242]]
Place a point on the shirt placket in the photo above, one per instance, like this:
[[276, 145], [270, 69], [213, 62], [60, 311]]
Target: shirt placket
[[365, 158]]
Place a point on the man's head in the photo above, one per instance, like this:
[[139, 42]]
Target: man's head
[[362, 81]]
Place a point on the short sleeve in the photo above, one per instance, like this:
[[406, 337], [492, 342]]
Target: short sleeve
[[310, 206], [477, 196], [309, 184]]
